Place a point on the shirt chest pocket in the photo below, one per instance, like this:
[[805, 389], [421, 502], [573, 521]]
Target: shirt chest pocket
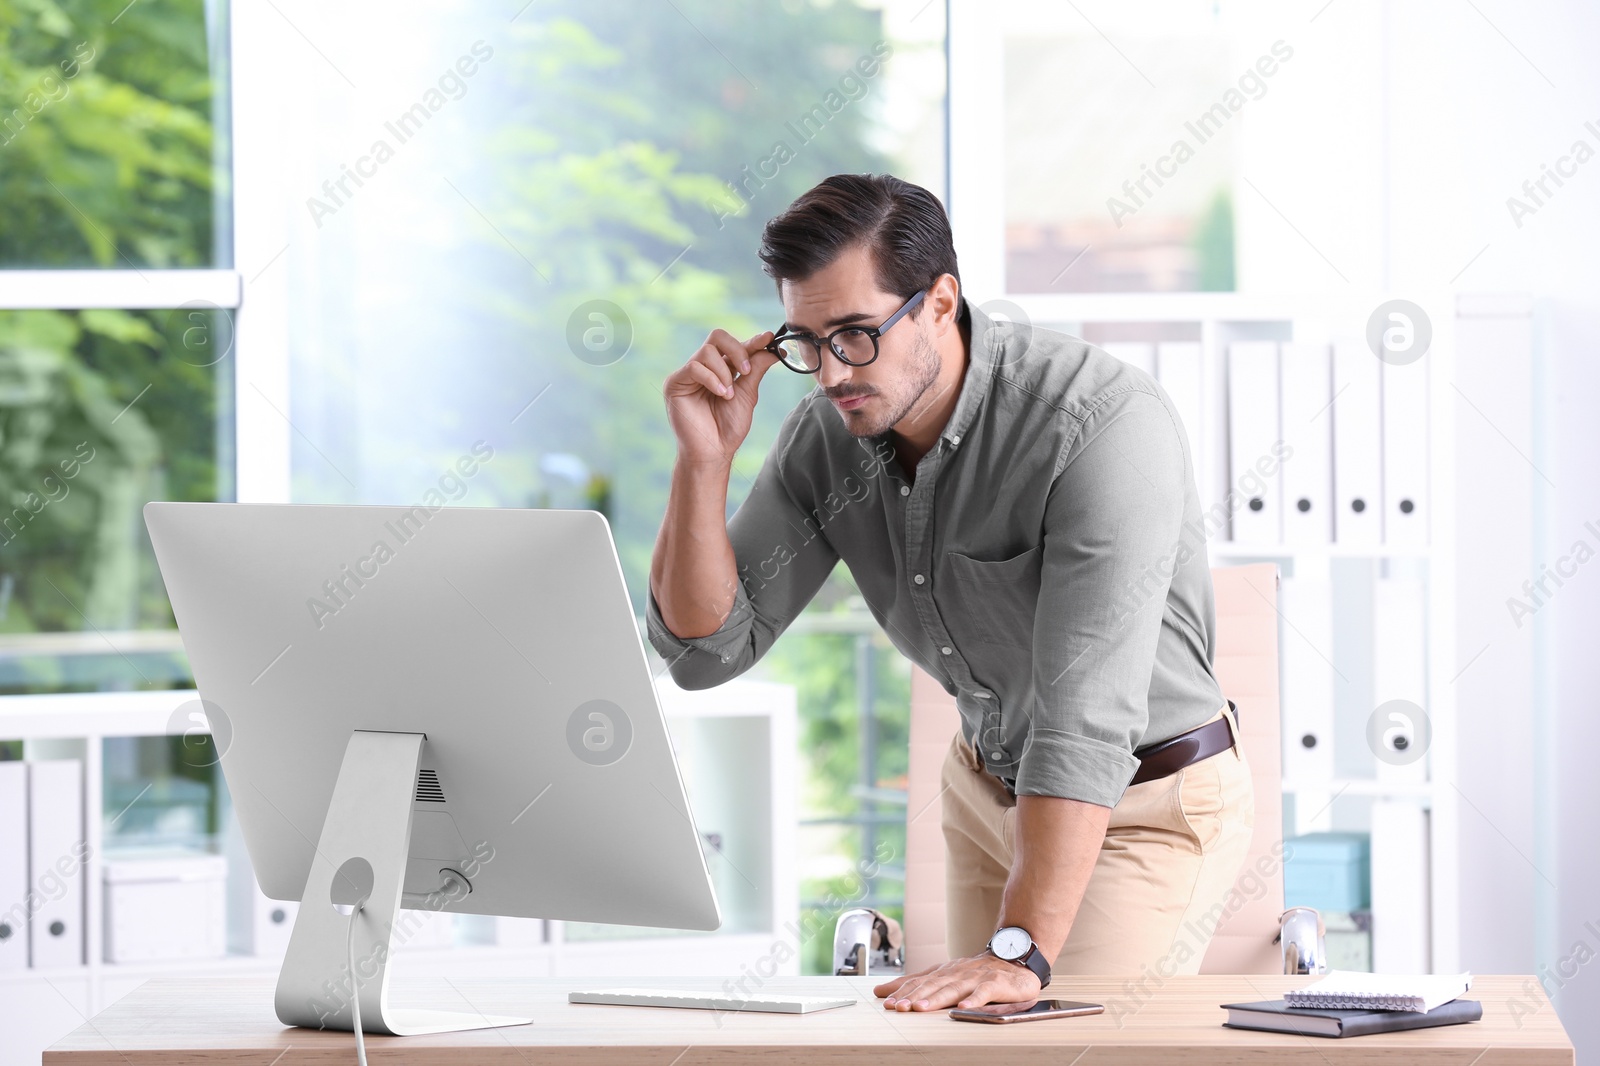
[[992, 602]]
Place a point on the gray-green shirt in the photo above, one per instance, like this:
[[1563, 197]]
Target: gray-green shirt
[[1046, 564]]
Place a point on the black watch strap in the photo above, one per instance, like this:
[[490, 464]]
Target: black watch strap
[[1034, 960]]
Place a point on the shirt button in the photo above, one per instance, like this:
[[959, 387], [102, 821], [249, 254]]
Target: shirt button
[[919, 579], [905, 490], [946, 650], [956, 439], [997, 756], [984, 695]]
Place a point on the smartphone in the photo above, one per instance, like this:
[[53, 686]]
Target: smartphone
[[1003, 1013]]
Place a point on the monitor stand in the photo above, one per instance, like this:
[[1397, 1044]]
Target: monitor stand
[[363, 850]]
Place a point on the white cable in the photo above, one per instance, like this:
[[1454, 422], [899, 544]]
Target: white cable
[[355, 988]]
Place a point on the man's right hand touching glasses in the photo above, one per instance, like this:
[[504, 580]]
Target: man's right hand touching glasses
[[711, 399], [710, 402]]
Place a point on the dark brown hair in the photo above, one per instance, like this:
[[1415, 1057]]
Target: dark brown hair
[[903, 226]]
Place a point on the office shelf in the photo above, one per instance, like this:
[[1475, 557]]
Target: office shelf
[[1422, 810], [1232, 550], [736, 746], [229, 966], [1362, 786]]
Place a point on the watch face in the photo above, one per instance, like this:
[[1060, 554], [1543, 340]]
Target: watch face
[[1011, 943]]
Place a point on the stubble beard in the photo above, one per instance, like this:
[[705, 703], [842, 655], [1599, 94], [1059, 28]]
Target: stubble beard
[[923, 372]]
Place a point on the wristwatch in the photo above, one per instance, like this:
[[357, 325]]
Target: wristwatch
[[1015, 944]]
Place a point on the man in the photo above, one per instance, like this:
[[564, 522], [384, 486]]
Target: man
[[1012, 507]]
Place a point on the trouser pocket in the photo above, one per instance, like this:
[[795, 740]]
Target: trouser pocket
[[1214, 795]]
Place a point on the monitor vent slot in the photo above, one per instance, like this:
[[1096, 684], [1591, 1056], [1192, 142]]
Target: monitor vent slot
[[428, 788]]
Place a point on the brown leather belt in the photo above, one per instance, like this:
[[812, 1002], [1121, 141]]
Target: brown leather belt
[[1170, 756], [1185, 749]]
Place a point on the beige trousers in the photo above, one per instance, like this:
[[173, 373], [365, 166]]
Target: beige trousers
[[1171, 852]]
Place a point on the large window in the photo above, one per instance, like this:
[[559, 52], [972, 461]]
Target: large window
[[1104, 197], [463, 222], [460, 223], [1117, 134], [113, 155], [115, 328], [100, 415], [511, 229]]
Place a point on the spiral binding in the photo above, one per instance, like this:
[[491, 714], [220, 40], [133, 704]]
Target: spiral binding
[[1372, 1001]]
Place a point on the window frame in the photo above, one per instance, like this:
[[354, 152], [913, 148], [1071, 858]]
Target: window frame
[[254, 298]]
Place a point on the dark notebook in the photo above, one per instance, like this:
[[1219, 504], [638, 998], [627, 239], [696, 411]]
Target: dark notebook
[[1273, 1015]]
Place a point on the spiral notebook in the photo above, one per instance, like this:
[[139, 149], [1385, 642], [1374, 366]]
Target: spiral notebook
[[1353, 990]]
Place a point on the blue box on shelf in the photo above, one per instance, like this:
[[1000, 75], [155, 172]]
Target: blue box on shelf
[[1328, 871]]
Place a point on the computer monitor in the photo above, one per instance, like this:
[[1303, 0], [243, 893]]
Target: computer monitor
[[428, 707]]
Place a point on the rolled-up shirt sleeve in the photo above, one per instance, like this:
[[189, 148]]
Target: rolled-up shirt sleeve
[[783, 559], [1112, 536]]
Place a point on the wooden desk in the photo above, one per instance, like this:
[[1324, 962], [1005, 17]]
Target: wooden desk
[[1179, 1024]]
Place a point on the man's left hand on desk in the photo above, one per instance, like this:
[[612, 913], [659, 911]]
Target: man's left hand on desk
[[967, 982]]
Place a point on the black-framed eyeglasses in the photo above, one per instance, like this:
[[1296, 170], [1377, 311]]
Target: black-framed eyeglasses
[[854, 345]]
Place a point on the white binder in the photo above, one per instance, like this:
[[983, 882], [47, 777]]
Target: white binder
[[1181, 374], [13, 866], [1306, 653], [1400, 672], [1135, 353], [271, 923], [1399, 863], [1305, 373], [1254, 470], [1357, 463], [56, 851], [256, 925], [1406, 514]]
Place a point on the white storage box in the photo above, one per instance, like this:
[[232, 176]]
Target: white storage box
[[165, 905]]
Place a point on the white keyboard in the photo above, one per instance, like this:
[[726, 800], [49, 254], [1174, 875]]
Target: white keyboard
[[656, 997]]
